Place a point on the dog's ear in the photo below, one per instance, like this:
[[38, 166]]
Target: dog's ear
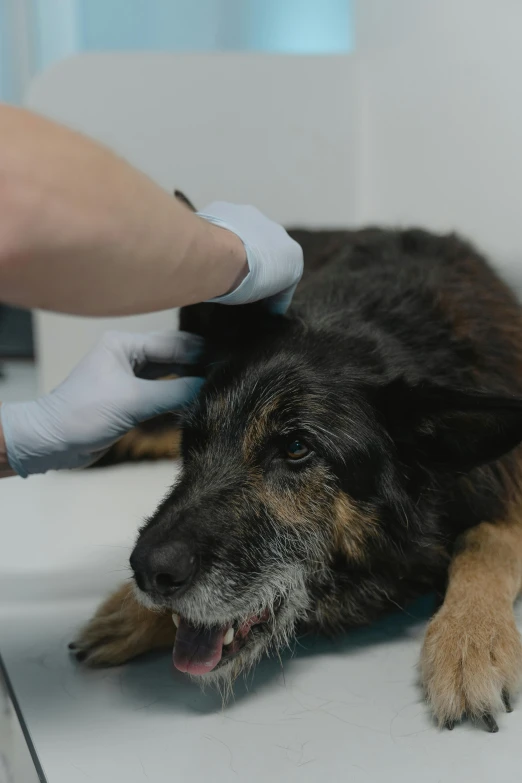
[[184, 200], [446, 429], [231, 332]]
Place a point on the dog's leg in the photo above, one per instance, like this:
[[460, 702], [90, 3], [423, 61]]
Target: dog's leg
[[122, 629], [472, 655], [140, 444]]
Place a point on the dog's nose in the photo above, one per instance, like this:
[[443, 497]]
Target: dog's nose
[[165, 568]]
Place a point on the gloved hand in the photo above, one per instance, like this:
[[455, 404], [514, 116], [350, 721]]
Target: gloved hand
[[100, 401], [275, 261]]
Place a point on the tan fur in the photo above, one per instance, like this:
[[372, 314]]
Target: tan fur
[[313, 505], [352, 528], [258, 427], [137, 444], [122, 629], [310, 503], [472, 652]]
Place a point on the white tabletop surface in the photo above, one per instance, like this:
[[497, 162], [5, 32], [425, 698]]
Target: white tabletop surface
[[348, 710]]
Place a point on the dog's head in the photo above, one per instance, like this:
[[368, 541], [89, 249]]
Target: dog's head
[[305, 465]]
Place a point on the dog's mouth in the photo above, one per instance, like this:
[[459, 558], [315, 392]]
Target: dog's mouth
[[199, 650]]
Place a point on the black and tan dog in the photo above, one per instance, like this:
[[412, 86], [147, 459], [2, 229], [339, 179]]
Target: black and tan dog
[[339, 461]]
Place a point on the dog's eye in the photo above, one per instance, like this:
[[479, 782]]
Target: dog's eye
[[296, 450]]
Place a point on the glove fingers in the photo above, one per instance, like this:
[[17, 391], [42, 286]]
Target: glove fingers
[[164, 396], [84, 460], [89, 459], [172, 346]]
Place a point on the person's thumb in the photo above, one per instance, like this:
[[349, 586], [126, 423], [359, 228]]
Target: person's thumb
[[163, 396]]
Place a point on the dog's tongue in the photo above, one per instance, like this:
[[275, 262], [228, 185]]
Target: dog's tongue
[[197, 650]]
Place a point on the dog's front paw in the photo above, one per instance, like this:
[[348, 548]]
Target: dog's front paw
[[471, 662], [120, 630]]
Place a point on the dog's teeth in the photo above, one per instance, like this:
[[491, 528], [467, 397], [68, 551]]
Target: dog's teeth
[[175, 617], [228, 636]]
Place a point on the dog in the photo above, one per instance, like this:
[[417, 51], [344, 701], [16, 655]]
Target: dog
[[340, 461]]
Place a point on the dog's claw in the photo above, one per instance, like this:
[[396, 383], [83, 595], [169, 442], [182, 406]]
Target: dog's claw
[[72, 646], [81, 656], [490, 723], [507, 701], [449, 724]]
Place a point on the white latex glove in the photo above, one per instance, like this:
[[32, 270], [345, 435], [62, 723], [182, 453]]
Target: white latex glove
[[275, 261], [99, 402]]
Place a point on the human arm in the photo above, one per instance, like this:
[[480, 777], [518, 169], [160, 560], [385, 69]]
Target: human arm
[[83, 232]]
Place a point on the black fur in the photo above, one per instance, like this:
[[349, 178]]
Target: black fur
[[400, 366]]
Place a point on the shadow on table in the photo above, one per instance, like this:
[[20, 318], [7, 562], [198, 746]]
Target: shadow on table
[[153, 684]]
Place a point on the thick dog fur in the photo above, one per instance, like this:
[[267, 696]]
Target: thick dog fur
[[398, 371]]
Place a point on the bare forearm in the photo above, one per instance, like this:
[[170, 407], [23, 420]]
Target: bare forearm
[[83, 232]]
